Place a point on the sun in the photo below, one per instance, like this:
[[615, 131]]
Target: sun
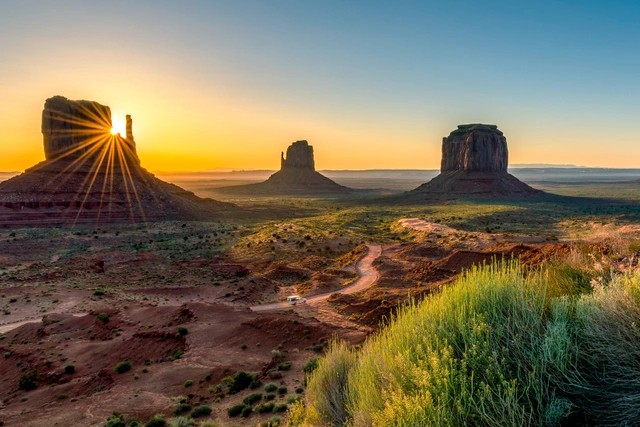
[[119, 126]]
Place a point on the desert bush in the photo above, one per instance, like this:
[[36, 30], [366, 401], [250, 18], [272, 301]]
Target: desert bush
[[156, 421], [255, 384], [284, 366], [239, 381], [123, 367], [269, 396], [247, 411], [601, 371], [29, 380], [181, 422], [270, 387], [115, 420], [327, 389], [188, 383], [69, 369], [182, 330], [252, 398], [272, 422], [103, 317], [236, 410], [282, 390], [265, 407], [201, 411], [182, 408], [280, 407]]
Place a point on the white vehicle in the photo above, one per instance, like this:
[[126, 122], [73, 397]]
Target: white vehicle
[[295, 299]]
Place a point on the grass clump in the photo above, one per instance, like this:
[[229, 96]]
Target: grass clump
[[103, 317]]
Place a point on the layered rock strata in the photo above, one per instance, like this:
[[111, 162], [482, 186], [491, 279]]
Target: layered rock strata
[[474, 163]]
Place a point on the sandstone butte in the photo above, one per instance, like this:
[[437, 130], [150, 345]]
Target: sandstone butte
[[92, 176], [297, 176], [474, 164]]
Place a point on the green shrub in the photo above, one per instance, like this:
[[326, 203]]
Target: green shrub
[[269, 396], [272, 422], [157, 421], [182, 330], [252, 398], [266, 407], [103, 317], [201, 411], [123, 367], [69, 369], [236, 410], [239, 381], [282, 390], [247, 411], [284, 366], [280, 407], [182, 408], [115, 420], [270, 388], [29, 380], [255, 384], [188, 383]]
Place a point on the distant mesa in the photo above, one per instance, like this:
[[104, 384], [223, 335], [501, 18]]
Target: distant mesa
[[297, 176], [91, 175], [474, 164]]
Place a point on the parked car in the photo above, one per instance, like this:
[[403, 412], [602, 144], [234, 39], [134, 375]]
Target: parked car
[[295, 299]]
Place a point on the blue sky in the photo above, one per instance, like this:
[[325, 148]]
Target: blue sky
[[384, 81]]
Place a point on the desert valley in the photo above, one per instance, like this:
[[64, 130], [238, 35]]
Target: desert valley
[[274, 213]]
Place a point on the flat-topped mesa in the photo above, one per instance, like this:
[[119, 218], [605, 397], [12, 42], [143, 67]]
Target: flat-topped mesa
[[299, 155], [474, 164], [475, 148], [80, 130]]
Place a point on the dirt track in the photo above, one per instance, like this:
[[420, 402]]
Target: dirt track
[[368, 276]]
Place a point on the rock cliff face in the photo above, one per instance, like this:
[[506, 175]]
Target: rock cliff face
[[90, 175], [474, 164], [297, 176], [299, 155], [475, 148]]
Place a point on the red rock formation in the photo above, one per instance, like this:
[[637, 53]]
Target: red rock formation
[[90, 175], [297, 176], [474, 164]]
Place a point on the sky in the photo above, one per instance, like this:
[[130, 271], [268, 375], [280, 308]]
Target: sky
[[370, 84]]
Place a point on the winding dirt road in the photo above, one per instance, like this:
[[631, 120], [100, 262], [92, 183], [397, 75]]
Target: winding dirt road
[[365, 269]]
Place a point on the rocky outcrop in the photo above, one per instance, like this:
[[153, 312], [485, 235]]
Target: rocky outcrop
[[474, 164], [297, 176], [90, 175], [475, 148]]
